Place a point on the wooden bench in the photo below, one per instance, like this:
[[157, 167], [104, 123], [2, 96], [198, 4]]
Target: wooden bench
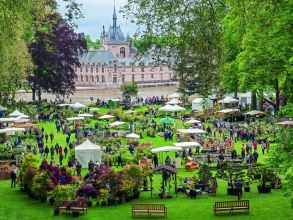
[[74, 206], [146, 210], [228, 207]]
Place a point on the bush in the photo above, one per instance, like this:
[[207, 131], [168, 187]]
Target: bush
[[64, 192], [41, 184], [87, 191]]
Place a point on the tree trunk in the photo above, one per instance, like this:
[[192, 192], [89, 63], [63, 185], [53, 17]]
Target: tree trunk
[[34, 92], [39, 95], [236, 95], [253, 100], [277, 95]]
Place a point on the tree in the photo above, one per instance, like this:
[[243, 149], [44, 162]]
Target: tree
[[55, 52], [195, 26], [92, 44], [129, 89]]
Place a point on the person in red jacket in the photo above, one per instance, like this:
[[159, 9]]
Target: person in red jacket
[[60, 150]]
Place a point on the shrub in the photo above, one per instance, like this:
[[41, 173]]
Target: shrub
[[87, 191]]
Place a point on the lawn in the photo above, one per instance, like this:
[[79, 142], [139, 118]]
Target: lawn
[[16, 205]]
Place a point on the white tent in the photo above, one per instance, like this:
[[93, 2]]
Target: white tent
[[106, 117], [187, 144], [85, 115], [229, 111], [166, 149], [174, 95], [130, 111], [193, 121], [75, 119], [6, 120], [177, 108], [166, 108], [133, 135], [2, 108], [117, 123], [174, 102], [191, 131], [254, 112], [86, 152], [22, 120], [94, 109], [11, 131], [285, 123], [199, 104], [77, 105], [64, 105], [16, 113], [228, 100]]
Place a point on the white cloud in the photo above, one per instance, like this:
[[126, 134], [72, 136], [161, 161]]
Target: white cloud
[[98, 13]]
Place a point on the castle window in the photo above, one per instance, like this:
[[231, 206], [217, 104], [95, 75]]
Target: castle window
[[122, 52], [103, 78], [142, 76], [97, 68], [123, 78], [81, 78], [152, 76], [103, 68], [92, 78], [115, 79], [86, 68], [86, 78], [133, 77], [92, 68], [97, 78]]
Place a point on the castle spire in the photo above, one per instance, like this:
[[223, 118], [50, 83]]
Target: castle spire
[[114, 17]]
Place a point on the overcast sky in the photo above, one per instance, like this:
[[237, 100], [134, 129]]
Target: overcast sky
[[98, 13]]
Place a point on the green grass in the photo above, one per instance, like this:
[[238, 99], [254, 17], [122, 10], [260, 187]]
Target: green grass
[[16, 205]]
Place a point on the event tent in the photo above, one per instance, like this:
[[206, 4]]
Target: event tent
[[187, 144], [166, 108], [117, 123], [254, 113], [63, 105], [75, 119], [133, 135], [2, 108], [191, 131], [174, 95], [106, 117], [16, 113], [177, 108], [174, 102], [85, 115], [228, 100], [11, 131], [77, 105], [6, 120], [199, 104], [229, 111], [87, 152], [192, 121], [285, 123], [166, 149]]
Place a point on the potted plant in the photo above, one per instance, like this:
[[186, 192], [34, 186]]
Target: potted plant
[[266, 174]]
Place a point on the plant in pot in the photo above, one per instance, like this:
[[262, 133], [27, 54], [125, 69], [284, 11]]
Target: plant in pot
[[134, 173], [230, 174], [41, 185], [89, 192], [103, 197], [266, 174]]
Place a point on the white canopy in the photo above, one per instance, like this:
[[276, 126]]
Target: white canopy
[[200, 104], [75, 119], [285, 123], [94, 109], [177, 108], [133, 135], [5, 120], [130, 111], [193, 121], [117, 123], [254, 112], [77, 105], [16, 113], [228, 100], [166, 108], [228, 110], [11, 131], [175, 95], [191, 131], [106, 117], [24, 116], [166, 149], [173, 101], [63, 105], [85, 115], [87, 152], [187, 144], [2, 108], [22, 120]]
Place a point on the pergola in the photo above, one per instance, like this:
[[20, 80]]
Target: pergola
[[165, 170]]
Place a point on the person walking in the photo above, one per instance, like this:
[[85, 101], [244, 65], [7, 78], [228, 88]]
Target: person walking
[[65, 151], [13, 178], [263, 147], [156, 160], [51, 137], [46, 152], [238, 186], [119, 161]]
